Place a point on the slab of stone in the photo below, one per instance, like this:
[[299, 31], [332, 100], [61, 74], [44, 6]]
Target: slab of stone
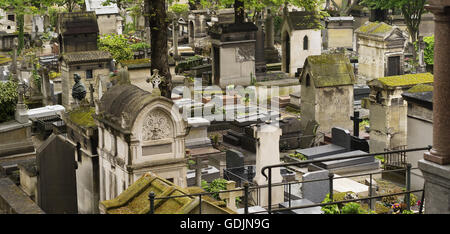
[[345, 162], [301, 202], [358, 168], [253, 209], [14, 201], [46, 111], [321, 151], [315, 191], [341, 184]]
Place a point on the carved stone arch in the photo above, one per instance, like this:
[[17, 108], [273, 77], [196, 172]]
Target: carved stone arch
[[161, 113], [157, 125]]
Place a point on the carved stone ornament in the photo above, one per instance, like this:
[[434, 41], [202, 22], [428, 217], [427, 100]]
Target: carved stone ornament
[[157, 125], [245, 53]]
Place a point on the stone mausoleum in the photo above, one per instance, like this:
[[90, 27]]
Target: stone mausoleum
[[138, 132], [327, 91]]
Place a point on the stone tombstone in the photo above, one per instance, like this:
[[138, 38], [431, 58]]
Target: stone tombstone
[[56, 181], [268, 153], [235, 165], [341, 137], [315, 191], [233, 53]]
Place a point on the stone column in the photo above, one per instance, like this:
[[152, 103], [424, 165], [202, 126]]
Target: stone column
[[441, 96], [435, 165], [268, 153], [269, 32]]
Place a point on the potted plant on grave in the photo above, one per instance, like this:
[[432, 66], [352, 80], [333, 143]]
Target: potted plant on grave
[[190, 162], [215, 140], [298, 157]]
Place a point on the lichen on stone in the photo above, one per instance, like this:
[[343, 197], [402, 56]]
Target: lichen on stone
[[407, 80], [82, 116], [420, 88]]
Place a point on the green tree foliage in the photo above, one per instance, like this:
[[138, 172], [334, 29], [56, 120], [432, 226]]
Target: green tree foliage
[[215, 186], [429, 50], [8, 100], [412, 11], [117, 45]]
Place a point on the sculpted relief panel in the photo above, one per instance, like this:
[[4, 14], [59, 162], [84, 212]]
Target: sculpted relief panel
[[157, 125]]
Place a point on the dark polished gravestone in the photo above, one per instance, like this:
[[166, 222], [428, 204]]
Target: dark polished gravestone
[[56, 181], [235, 166], [349, 165], [341, 142], [315, 191]]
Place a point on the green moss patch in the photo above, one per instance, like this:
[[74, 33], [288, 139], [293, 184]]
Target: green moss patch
[[420, 88], [83, 116], [407, 80]]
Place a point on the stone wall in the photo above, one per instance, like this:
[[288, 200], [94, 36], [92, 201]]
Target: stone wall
[[14, 201]]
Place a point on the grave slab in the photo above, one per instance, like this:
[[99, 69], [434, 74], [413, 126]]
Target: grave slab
[[301, 202], [345, 185], [345, 162], [321, 151]]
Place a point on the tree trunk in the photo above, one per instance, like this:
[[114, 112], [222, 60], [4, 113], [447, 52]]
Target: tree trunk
[[20, 29], [239, 11], [159, 56]]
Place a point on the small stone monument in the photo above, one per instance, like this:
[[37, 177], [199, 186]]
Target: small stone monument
[[21, 115], [268, 153], [156, 79], [230, 197], [78, 89]]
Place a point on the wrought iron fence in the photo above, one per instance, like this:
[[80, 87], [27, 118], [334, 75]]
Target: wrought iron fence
[[252, 192]]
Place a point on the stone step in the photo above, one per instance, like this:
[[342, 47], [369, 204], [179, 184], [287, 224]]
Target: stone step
[[345, 162]]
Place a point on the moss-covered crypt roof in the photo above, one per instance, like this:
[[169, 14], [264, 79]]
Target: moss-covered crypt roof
[[329, 70]]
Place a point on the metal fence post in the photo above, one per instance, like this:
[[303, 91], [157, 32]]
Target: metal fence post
[[151, 197], [200, 204], [408, 186], [330, 177], [246, 197], [269, 187], [370, 191]]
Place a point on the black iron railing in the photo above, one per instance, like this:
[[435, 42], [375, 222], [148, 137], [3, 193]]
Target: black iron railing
[[269, 168], [248, 189]]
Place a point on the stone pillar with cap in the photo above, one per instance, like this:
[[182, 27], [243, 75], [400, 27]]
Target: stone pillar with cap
[[436, 163], [268, 153]]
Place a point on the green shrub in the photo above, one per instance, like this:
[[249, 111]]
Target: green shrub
[[352, 208], [8, 100]]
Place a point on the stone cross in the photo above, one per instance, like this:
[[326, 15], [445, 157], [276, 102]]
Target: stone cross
[[198, 170], [356, 121], [230, 197], [155, 79], [21, 90]]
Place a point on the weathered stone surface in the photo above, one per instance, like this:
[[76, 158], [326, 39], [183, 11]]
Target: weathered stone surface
[[14, 201]]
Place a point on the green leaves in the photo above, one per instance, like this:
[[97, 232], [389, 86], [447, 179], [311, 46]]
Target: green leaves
[[8, 100], [117, 46], [429, 50]]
